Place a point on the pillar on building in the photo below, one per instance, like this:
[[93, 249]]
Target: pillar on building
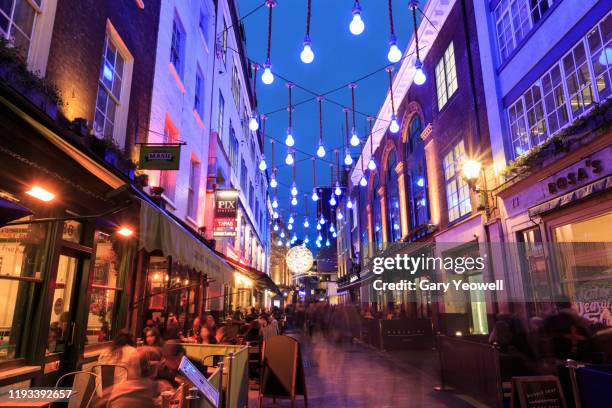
[[383, 214], [403, 198], [370, 228], [434, 167]]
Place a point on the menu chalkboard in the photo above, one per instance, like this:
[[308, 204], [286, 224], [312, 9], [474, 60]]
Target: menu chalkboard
[[542, 391]]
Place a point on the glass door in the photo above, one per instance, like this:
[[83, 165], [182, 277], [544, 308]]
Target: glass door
[[60, 325]]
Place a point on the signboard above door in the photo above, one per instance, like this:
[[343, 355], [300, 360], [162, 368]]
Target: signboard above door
[[159, 157]]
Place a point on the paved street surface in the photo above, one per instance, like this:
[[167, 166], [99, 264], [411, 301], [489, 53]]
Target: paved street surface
[[351, 375]]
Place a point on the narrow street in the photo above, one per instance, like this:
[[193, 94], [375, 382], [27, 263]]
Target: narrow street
[[352, 375]]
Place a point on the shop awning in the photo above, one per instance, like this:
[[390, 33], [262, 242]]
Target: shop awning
[[10, 211], [593, 188], [160, 232], [261, 280]]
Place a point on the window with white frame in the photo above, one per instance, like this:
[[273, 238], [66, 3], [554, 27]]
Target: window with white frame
[[192, 189], [177, 46], [457, 190], [220, 114], [224, 42], [565, 92], [198, 98], [233, 148], [236, 86], [514, 19], [17, 19], [109, 90], [167, 178], [446, 76]]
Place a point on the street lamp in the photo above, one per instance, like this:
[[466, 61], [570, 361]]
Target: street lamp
[[471, 170]]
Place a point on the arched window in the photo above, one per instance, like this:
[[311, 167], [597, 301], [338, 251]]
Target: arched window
[[417, 175], [376, 213], [393, 207]]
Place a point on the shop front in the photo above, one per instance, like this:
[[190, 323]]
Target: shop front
[[66, 250], [561, 225]]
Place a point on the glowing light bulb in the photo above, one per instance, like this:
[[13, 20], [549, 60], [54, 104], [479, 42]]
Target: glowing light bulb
[[420, 182], [321, 151], [327, 243], [357, 25], [349, 204], [348, 160], [294, 190], [331, 228], [319, 238], [354, 139], [294, 238], [307, 56], [306, 223], [263, 165], [291, 220], [282, 234], [288, 244], [289, 140], [419, 75], [339, 216], [334, 234], [318, 244], [267, 77], [275, 227], [338, 190], [294, 201], [275, 215], [306, 240], [372, 164], [332, 201], [253, 122], [363, 182], [290, 227], [275, 203], [395, 54], [315, 196], [289, 159], [318, 227], [273, 182], [322, 220], [279, 242], [394, 125]]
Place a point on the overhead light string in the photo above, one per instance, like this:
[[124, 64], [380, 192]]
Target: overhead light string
[[253, 122], [289, 140], [363, 181], [371, 163], [357, 25], [394, 125], [354, 137], [294, 190], [419, 75], [315, 196], [337, 190], [332, 198], [306, 223], [321, 148], [348, 160], [267, 77], [394, 54], [307, 55], [273, 182]]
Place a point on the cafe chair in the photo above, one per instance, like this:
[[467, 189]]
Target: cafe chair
[[83, 383]]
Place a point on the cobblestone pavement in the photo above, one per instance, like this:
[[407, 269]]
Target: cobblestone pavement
[[350, 375]]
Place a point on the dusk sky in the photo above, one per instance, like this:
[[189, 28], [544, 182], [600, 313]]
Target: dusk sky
[[340, 58]]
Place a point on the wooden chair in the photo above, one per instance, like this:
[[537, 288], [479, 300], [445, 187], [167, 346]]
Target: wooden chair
[[84, 385]]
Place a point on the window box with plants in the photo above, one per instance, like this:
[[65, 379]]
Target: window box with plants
[[39, 90]]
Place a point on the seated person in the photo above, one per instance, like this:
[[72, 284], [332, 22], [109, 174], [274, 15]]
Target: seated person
[[172, 354], [206, 336], [140, 391]]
